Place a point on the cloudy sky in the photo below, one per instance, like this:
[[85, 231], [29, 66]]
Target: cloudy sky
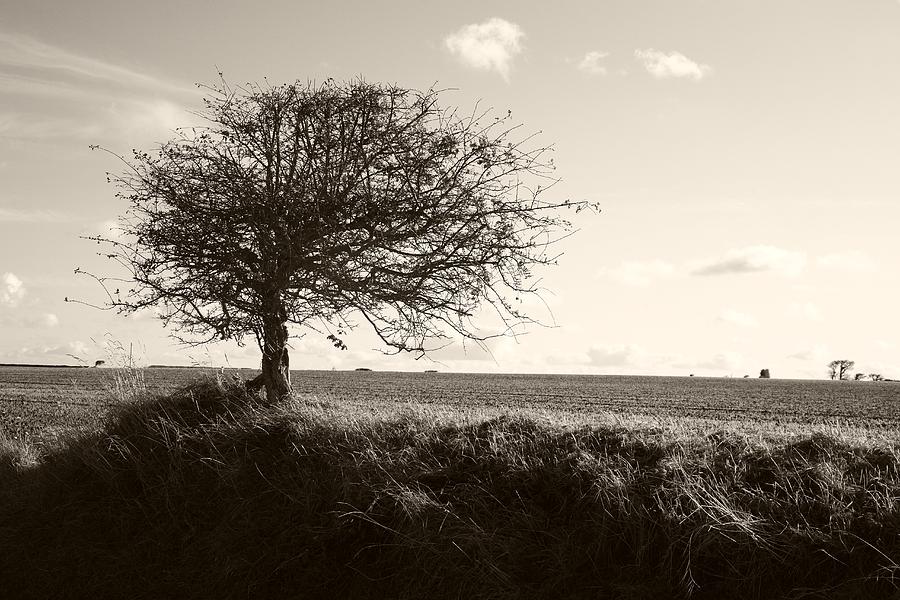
[[746, 157]]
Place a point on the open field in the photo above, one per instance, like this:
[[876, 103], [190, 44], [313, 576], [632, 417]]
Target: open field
[[35, 399], [127, 483], [206, 493]]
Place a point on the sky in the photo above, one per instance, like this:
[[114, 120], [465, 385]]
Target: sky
[[745, 156]]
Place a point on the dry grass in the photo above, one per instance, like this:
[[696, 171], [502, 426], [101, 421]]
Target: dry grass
[[205, 494]]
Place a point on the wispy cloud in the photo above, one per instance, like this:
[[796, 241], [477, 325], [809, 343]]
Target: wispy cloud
[[852, 261], [16, 215], [808, 311], [639, 273], [110, 229], [592, 63], [615, 356], [668, 65], [816, 352], [491, 45], [722, 362], [30, 64], [737, 318], [33, 321], [737, 261], [45, 320], [12, 290], [752, 259], [726, 361], [76, 349], [81, 97]]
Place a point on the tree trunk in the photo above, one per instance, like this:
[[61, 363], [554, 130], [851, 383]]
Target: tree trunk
[[276, 374]]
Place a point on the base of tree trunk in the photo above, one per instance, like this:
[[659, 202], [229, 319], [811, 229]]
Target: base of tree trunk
[[274, 391], [276, 371], [255, 385]]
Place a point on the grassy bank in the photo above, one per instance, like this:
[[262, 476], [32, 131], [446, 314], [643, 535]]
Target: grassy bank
[[202, 495]]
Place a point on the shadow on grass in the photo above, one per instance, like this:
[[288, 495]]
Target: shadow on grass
[[208, 494]]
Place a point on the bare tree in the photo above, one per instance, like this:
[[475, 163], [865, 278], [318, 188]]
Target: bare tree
[[321, 206], [839, 369]]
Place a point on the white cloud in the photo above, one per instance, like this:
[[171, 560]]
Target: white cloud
[[125, 116], [615, 356], [27, 61], [664, 65], [150, 118], [110, 229], [33, 321], [75, 349], [753, 259], [619, 358], [15, 215], [852, 261], [750, 259], [568, 358], [146, 314], [12, 290], [721, 364], [81, 97], [491, 45], [728, 361], [638, 273], [737, 318], [42, 127], [817, 352], [591, 63], [806, 310]]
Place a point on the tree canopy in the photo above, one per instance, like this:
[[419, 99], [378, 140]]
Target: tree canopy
[[320, 206], [839, 369]]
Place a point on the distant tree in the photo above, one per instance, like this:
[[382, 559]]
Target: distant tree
[[839, 369], [764, 374], [320, 205], [859, 377], [99, 363], [876, 377]]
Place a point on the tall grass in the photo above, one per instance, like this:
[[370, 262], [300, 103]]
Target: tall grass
[[127, 384], [208, 494]]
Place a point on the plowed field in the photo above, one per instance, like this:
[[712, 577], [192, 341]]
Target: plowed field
[[36, 399]]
